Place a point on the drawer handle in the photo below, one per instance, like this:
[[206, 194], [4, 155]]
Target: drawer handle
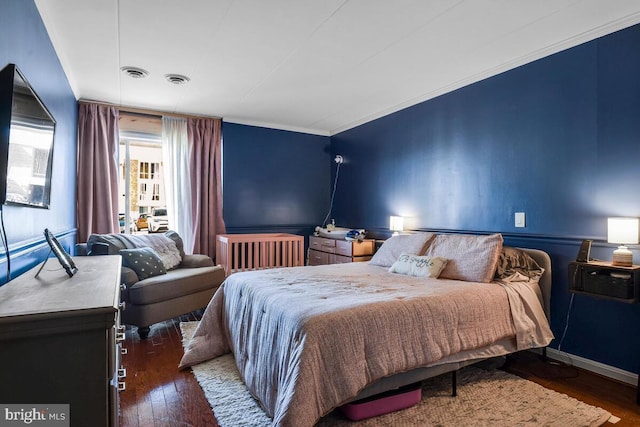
[[120, 337], [122, 373], [124, 350], [122, 386]]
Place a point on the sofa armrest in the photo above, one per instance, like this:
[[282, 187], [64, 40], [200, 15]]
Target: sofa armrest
[[128, 276], [196, 260]]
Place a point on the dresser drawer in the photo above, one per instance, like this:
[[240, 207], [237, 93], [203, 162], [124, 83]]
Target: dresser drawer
[[333, 251], [322, 244], [318, 258], [355, 248], [339, 259]]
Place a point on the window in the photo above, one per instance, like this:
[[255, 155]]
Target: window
[[141, 180], [155, 170], [156, 192], [149, 170]]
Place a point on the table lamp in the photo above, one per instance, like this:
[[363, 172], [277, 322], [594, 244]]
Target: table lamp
[[396, 224], [622, 231]]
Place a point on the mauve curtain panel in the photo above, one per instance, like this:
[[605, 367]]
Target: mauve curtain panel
[[97, 180], [205, 136]]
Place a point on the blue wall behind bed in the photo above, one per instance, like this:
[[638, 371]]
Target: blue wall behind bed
[[274, 180], [558, 139]]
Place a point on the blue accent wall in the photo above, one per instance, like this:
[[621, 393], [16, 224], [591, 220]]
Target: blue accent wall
[[274, 180], [24, 41], [558, 139]]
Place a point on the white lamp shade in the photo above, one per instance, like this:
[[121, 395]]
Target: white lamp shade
[[622, 231], [396, 223]]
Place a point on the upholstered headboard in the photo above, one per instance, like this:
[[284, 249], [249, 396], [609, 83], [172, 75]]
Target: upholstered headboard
[[544, 261]]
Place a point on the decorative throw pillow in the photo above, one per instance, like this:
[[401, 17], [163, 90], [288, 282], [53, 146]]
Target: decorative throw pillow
[[513, 260], [391, 249], [471, 258], [144, 261], [418, 266]]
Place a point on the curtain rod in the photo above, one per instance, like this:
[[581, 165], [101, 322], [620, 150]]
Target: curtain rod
[[147, 112]]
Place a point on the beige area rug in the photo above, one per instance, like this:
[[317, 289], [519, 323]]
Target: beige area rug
[[485, 398]]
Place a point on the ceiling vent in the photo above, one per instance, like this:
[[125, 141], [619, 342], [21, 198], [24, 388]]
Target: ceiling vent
[[135, 72], [177, 79]]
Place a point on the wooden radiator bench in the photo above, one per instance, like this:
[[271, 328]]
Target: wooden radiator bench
[[239, 252]]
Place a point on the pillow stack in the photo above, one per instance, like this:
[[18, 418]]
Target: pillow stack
[[472, 258]]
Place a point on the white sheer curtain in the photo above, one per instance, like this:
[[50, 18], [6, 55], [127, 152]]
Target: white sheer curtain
[[176, 154]]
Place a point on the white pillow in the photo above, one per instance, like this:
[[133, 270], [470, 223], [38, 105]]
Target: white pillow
[[418, 266], [391, 249]]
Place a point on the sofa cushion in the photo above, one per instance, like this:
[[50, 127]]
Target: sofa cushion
[[114, 244], [176, 283], [196, 260], [128, 276], [144, 261]]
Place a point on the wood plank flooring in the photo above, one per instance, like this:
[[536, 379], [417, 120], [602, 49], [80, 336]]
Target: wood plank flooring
[[158, 394]]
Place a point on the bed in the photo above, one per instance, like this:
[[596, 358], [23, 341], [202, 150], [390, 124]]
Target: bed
[[309, 339]]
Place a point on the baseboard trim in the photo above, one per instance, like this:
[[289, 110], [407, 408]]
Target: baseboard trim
[[592, 366]]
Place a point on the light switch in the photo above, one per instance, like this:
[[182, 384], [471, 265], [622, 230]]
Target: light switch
[[520, 219]]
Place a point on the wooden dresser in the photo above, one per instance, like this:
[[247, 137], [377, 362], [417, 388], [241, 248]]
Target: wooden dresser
[[333, 251], [60, 339]]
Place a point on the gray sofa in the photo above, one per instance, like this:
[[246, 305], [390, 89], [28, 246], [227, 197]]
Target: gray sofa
[[187, 287]]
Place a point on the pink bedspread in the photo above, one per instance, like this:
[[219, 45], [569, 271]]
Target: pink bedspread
[[307, 339]]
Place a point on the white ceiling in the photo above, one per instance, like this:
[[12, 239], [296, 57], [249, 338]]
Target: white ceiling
[[316, 66]]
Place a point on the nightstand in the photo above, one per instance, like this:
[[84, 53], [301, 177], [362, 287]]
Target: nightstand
[[605, 280], [333, 251]]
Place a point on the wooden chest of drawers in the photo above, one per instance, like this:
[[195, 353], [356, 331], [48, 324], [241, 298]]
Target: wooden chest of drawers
[[332, 251], [60, 340]]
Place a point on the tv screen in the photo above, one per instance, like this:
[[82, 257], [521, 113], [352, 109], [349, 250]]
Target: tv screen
[[26, 142]]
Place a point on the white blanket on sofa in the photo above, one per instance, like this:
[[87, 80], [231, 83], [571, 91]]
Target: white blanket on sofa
[[161, 244]]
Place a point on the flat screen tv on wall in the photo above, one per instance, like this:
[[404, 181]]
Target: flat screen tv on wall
[[26, 143]]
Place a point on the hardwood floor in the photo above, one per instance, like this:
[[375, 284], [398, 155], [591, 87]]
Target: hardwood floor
[[158, 394]]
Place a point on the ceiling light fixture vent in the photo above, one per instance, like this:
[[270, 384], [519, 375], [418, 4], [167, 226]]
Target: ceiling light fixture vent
[[135, 72], [177, 79]]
